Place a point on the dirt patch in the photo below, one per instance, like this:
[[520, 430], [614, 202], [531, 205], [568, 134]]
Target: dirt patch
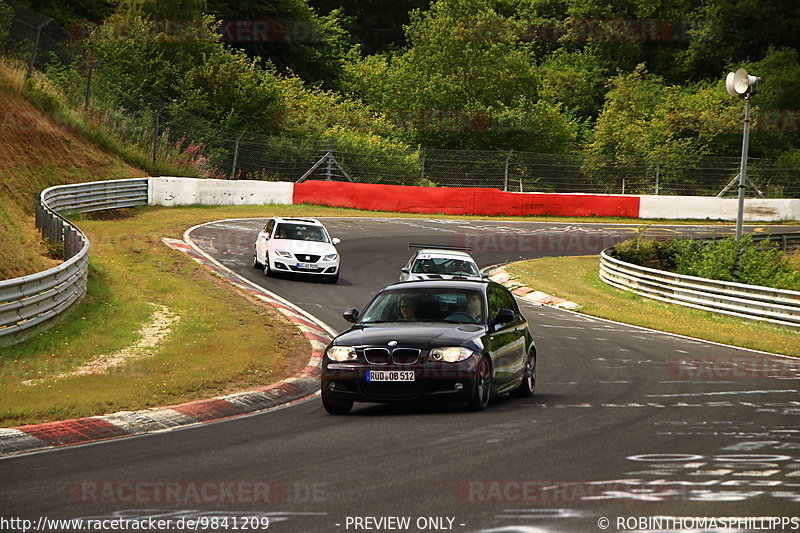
[[152, 335]]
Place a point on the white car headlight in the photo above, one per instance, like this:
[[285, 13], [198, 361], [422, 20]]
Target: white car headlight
[[281, 253], [451, 354], [330, 257], [341, 353]]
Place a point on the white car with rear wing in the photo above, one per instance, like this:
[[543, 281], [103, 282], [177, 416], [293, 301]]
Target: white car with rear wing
[[440, 262]]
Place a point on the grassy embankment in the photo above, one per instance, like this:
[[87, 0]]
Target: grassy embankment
[[36, 153], [131, 275]]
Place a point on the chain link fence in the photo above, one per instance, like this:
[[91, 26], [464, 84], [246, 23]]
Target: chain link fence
[[202, 149]]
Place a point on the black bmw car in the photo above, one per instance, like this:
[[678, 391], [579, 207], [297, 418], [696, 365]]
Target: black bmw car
[[452, 340]]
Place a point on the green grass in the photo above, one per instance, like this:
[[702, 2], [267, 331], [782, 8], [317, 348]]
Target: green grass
[[576, 279]]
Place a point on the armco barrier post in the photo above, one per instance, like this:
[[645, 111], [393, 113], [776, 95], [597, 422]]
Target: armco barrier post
[[48, 228], [59, 231]]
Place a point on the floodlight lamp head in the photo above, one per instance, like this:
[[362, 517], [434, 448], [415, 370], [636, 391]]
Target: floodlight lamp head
[[729, 84], [740, 82], [755, 81]]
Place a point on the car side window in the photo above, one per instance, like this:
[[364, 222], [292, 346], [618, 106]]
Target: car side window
[[510, 302], [495, 301], [500, 298], [268, 228]]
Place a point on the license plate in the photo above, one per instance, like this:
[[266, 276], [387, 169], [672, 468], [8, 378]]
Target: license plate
[[306, 266], [390, 375]]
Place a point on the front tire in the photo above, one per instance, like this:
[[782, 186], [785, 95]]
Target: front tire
[[335, 407], [483, 386], [267, 269], [332, 278], [528, 385], [256, 264]]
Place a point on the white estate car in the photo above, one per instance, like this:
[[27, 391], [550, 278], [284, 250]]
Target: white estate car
[[440, 263], [296, 245]]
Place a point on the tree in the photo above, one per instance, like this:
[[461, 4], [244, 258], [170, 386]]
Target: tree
[[377, 25], [574, 79], [646, 121], [464, 81], [776, 121], [290, 35], [731, 31]]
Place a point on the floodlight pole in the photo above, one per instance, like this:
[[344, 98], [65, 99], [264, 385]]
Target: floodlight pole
[[743, 167]]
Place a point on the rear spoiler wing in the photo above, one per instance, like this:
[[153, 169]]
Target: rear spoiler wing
[[440, 247]]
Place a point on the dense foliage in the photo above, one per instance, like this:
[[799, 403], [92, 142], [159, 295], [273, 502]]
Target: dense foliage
[[750, 262], [633, 80]]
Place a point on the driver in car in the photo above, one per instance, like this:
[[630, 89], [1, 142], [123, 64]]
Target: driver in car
[[408, 309]]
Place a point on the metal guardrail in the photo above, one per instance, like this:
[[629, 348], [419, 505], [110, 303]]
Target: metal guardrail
[[737, 299], [35, 299]]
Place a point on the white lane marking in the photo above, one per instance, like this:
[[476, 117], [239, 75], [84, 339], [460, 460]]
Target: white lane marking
[[725, 393], [310, 317]]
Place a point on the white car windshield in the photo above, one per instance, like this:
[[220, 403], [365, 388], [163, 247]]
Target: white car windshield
[[444, 265], [301, 232], [460, 306]]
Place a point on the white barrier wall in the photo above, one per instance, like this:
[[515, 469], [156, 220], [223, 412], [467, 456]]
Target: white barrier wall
[[701, 208], [168, 191]]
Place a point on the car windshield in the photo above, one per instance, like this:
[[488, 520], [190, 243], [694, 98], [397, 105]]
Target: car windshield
[[426, 264], [461, 306], [301, 232]]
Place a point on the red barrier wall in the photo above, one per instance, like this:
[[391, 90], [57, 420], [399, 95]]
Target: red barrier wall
[[464, 201]]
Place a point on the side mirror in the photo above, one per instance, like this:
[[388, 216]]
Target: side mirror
[[335, 241], [504, 316], [405, 270], [484, 275], [351, 315]]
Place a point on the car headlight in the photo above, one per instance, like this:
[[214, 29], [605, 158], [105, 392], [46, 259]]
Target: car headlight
[[281, 253], [341, 353], [330, 257], [451, 354]]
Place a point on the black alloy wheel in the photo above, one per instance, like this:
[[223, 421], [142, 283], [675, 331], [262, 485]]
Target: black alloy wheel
[[483, 386], [528, 385]]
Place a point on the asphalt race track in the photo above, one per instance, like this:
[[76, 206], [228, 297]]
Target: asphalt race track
[[625, 423]]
